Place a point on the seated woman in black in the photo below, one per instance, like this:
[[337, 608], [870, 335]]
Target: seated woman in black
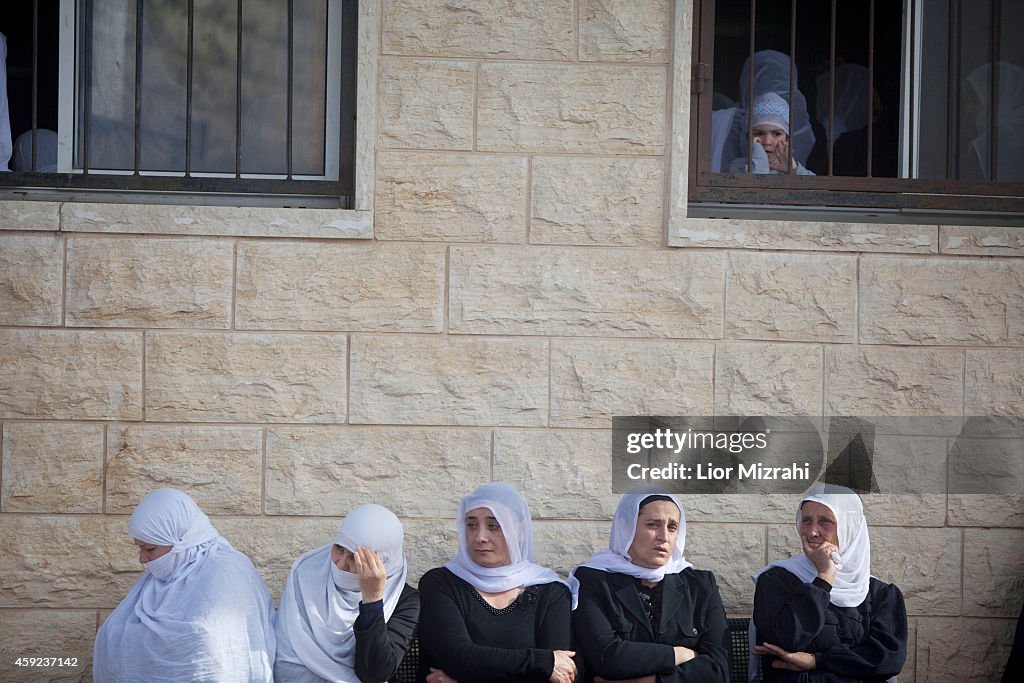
[[642, 612], [491, 614], [820, 615]]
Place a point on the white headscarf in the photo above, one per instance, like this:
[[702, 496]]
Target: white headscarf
[[1009, 120], [513, 515], [320, 602], [201, 612], [851, 99], [615, 558], [772, 110], [854, 573]]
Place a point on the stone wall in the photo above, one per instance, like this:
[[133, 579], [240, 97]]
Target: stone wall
[[518, 291]]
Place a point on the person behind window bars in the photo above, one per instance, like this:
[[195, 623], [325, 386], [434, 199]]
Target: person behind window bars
[[770, 74], [770, 144], [1009, 120], [5, 117]]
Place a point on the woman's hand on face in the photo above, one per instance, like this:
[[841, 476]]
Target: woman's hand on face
[[439, 676], [821, 558], [370, 570], [791, 661], [565, 667]]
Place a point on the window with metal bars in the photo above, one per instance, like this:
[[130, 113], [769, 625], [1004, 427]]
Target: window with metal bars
[[194, 99], [910, 107]]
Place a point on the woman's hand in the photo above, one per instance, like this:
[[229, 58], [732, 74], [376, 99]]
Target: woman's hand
[[821, 558], [778, 159], [791, 661], [565, 667], [683, 654], [370, 571], [438, 676]]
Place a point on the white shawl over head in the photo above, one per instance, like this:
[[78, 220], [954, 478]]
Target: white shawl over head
[[320, 602], [615, 558], [210, 618], [513, 515], [854, 573], [1009, 120]]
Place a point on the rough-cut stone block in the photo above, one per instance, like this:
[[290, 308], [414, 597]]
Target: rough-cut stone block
[[941, 301], [504, 29], [563, 545], [220, 467], [330, 470], [778, 508], [451, 197], [986, 480], [65, 634], [993, 387], [71, 375], [808, 236], [799, 297], [216, 220], [981, 241], [768, 379], [576, 292], [608, 201], [883, 381], [343, 286], [733, 552], [562, 108], [203, 377], [16, 215], [625, 30], [50, 467], [456, 381], [72, 561], [592, 380], [426, 105], [993, 572], [149, 282], [923, 563], [31, 279], [962, 650], [563, 474]]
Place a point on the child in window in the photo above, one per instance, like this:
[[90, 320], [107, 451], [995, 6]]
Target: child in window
[[770, 132]]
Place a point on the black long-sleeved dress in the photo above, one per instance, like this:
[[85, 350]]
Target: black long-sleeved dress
[[472, 641], [849, 644], [380, 644], [615, 634]]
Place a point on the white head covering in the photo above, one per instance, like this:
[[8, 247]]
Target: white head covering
[[46, 151], [615, 558], [771, 74], [770, 109], [5, 116], [513, 515], [851, 99], [854, 573], [320, 602], [1009, 120], [200, 611]]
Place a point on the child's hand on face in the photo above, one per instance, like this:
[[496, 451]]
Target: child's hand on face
[[778, 159]]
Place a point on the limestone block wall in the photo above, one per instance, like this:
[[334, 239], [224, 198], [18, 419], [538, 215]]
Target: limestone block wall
[[526, 280]]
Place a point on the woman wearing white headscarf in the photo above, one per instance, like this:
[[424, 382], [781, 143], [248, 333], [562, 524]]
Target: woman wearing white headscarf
[[643, 613], [771, 74], [820, 615], [201, 612], [1009, 120], [347, 614], [492, 614]]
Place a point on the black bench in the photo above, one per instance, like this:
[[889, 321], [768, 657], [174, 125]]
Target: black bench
[[409, 668]]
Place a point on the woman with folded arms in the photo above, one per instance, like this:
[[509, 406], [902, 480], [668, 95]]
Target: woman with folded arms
[[643, 613], [820, 615], [492, 614], [347, 615]]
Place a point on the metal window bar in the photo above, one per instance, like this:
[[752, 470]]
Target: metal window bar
[[871, 86], [792, 82], [750, 86], [831, 87], [291, 77], [993, 93], [87, 89], [952, 101], [189, 51], [35, 80], [137, 158], [238, 93]]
